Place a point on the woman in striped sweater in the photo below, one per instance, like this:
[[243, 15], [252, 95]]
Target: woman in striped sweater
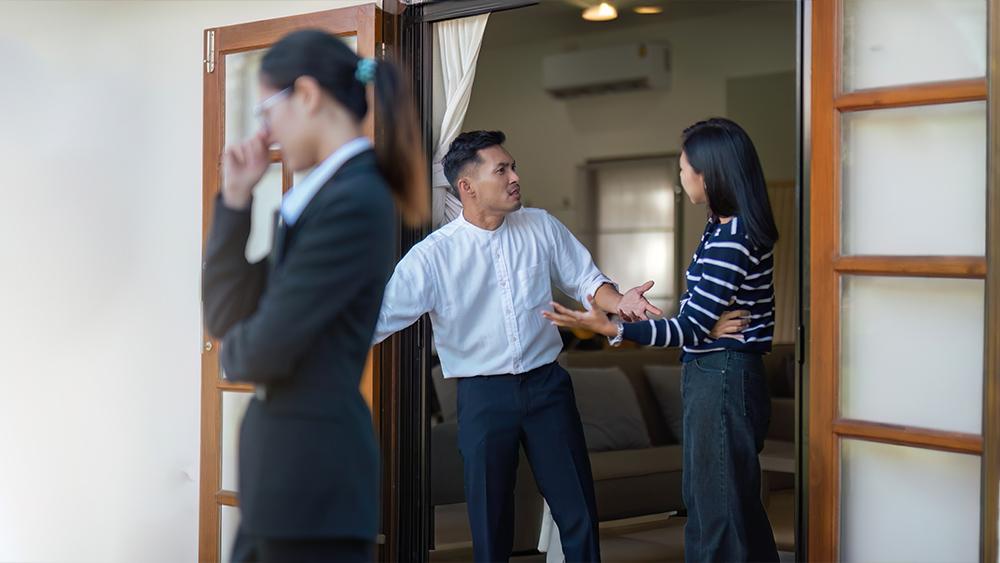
[[725, 326]]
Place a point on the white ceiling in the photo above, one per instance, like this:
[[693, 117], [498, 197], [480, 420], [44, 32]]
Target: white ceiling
[[553, 18]]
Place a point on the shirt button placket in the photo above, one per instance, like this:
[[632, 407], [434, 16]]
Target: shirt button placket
[[510, 319]]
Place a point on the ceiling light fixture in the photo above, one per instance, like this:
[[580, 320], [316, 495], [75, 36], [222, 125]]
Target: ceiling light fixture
[[648, 10], [602, 13]]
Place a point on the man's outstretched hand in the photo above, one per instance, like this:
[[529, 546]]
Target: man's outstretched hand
[[635, 307]]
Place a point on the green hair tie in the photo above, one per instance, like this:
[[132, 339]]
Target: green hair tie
[[365, 72]]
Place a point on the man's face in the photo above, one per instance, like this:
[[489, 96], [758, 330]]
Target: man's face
[[493, 185]]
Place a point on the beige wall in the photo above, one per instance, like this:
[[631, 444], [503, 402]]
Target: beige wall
[[100, 113]]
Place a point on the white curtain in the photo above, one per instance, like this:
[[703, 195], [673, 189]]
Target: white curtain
[[458, 43]]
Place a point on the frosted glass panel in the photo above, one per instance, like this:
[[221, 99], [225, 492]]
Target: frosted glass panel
[[893, 42], [635, 225], [242, 80], [229, 523], [266, 201], [234, 406], [352, 42], [914, 180], [242, 85], [636, 196], [912, 351], [634, 258], [908, 504]]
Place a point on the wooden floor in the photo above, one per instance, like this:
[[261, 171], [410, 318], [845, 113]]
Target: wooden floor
[[663, 541]]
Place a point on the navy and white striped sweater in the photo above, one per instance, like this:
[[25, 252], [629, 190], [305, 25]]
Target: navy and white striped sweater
[[727, 273]]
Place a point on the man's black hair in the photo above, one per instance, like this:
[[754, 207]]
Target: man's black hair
[[465, 149]]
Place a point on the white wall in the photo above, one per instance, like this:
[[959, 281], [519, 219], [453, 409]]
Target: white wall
[[551, 138], [100, 144]]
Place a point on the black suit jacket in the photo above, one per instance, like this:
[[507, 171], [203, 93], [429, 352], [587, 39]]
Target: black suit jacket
[[299, 326]]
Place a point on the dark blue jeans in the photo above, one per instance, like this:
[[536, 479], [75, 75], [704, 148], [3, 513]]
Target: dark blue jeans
[[727, 410], [497, 414]]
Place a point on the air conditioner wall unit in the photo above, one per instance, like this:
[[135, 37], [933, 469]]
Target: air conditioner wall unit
[[633, 66]]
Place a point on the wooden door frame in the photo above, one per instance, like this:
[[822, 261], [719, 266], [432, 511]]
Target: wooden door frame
[[385, 400], [404, 361], [825, 428], [394, 365], [359, 20], [990, 488]]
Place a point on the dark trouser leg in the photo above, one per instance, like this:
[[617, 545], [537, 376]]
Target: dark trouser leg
[[726, 413], [489, 423], [555, 447], [317, 551]]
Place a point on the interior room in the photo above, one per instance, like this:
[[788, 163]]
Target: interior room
[[593, 112]]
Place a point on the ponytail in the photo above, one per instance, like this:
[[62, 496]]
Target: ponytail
[[342, 74], [400, 156]]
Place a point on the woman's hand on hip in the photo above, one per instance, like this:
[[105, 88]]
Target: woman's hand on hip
[[730, 325]]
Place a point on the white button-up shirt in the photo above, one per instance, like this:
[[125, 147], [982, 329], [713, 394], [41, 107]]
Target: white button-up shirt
[[486, 290]]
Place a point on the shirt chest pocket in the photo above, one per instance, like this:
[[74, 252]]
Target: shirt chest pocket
[[534, 289]]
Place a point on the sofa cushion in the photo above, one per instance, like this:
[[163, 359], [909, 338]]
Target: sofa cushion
[[666, 384], [609, 410], [632, 362]]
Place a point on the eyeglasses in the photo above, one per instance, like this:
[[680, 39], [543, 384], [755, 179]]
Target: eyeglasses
[[261, 109]]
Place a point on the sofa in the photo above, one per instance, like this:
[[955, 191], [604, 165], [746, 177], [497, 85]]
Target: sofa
[[629, 400]]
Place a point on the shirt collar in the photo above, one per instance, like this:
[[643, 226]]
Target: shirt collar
[[298, 197], [479, 230]]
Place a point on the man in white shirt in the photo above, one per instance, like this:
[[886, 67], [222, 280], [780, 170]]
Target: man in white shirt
[[485, 279]]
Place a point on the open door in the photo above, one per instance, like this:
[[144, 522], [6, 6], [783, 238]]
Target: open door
[[899, 284], [232, 61]]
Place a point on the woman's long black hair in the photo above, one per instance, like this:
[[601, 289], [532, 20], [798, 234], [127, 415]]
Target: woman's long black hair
[[722, 152], [328, 60]]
